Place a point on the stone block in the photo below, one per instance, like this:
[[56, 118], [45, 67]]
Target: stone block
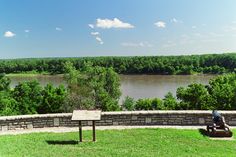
[[115, 123], [201, 121], [134, 117], [30, 126], [108, 121], [56, 121], [4, 128], [232, 123], [148, 120]]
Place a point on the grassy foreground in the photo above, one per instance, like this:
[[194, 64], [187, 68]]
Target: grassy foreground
[[130, 143]]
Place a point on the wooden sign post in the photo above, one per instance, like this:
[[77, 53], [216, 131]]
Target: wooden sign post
[[86, 115]]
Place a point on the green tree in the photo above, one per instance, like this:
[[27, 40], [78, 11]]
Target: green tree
[[107, 88], [170, 102], [4, 83], [223, 91], [52, 99], [195, 96], [93, 87], [80, 89], [28, 96], [8, 105]]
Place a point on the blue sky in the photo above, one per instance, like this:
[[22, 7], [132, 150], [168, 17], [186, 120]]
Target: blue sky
[[75, 28]]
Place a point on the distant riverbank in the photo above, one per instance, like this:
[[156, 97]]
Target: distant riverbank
[[168, 65], [28, 74]]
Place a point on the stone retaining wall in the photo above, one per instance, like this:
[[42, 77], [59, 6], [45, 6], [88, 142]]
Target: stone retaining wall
[[115, 118]]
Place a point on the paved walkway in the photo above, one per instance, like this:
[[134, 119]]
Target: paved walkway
[[75, 129]]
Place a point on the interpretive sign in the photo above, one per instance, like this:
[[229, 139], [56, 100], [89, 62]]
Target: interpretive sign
[[86, 115]]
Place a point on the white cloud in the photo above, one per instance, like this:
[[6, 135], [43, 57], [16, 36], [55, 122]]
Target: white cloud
[[230, 29], [95, 33], [185, 36], [200, 35], [194, 27], [115, 23], [27, 31], [174, 20], [210, 40], [99, 40], [160, 24], [58, 29], [169, 44], [91, 26], [216, 34], [186, 41], [140, 44], [9, 34]]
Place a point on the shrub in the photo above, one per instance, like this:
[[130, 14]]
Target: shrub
[[157, 104], [28, 96], [52, 99], [8, 105], [170, 102], [222, 90], [128, 103], [144, 104], [194, 97]]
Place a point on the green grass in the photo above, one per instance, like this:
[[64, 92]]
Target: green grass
[[130, 143]]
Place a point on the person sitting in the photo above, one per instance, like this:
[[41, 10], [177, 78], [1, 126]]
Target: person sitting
[[219, 120]]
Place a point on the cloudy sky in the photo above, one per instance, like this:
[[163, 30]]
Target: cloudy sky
[[75, 28]]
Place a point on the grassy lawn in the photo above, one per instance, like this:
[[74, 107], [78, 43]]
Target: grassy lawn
[[134, 142]]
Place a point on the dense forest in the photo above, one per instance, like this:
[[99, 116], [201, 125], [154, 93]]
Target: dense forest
[[210, 63]]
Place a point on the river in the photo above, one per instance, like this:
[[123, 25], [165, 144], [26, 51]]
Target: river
[[136, 86]]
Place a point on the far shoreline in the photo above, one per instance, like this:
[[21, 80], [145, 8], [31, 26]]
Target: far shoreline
[[147, 74]]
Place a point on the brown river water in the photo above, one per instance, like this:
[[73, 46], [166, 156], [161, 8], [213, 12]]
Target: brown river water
[[136, 86]]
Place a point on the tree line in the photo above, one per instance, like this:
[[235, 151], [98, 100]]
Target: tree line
[[210, 63]]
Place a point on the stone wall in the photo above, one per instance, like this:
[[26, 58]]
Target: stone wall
[[115, 118]]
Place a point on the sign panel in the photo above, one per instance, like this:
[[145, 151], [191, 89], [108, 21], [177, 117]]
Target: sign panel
[[86, 115]]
